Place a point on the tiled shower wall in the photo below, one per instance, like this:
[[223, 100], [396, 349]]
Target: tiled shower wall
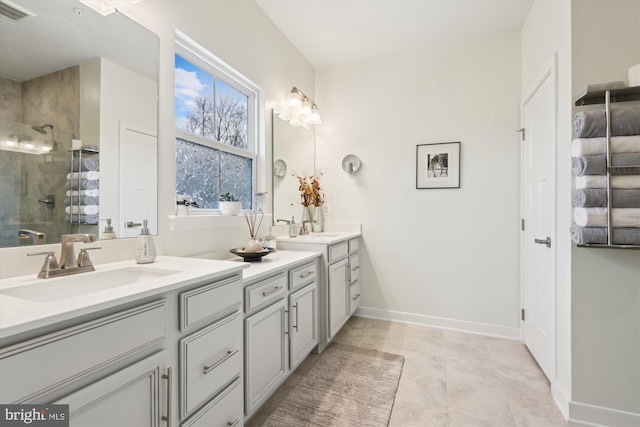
[[25, 178]]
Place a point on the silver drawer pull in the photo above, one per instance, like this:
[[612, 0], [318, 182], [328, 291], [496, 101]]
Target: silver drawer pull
[[356, 297], [234, 423], [354, 268], [167, 377], [131, 224], [267, 293], [226, 357], [296, 325], [307, 274]]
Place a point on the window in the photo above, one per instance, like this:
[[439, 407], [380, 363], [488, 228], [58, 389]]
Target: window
[[216, 122]]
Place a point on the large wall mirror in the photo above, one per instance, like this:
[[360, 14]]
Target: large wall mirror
[[78, 92], [293, 154]]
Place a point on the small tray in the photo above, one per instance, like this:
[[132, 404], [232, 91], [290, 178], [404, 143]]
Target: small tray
[[252, 256]]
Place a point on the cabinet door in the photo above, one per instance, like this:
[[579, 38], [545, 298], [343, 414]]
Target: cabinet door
[[130, 397], [303, 334], [266, 350], [354, 268], [354, 300], [338, 296]]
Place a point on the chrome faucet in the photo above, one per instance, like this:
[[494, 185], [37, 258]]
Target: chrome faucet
[[68, 262], [303, 228], [68, 254], [38, 237]]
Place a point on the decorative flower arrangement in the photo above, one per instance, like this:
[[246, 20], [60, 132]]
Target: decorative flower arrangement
[[310, 191]]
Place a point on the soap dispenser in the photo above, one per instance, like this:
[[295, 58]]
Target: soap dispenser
[[293, 228], [270, 239], [108, 233], [145, 247]]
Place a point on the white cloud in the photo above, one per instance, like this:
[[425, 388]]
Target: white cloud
[[188, 86]]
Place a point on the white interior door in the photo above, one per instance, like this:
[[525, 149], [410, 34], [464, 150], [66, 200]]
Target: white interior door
[[538, 206], [138, 180]]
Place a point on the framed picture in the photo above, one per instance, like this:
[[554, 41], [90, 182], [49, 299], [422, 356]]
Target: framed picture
[[438, 165]]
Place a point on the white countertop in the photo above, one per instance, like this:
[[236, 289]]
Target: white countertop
[[18, 315], [327, 238], [274, 261]]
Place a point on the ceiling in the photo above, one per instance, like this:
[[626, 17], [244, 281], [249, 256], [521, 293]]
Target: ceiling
[[331, 33]]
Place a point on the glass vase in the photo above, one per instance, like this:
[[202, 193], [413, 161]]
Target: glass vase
[[318, 220], [305, 222]]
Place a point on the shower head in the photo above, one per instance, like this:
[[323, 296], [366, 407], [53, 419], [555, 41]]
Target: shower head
[[42, 129]]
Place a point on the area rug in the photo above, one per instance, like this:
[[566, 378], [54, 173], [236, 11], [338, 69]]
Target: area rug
[[347, 386]]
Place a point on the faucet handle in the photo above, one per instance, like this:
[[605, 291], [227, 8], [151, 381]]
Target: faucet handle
[[83, 257], [50, 263]]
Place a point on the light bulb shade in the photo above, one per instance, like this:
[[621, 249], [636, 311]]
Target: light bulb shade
[[314, 117], [305, 108], [294, 99]]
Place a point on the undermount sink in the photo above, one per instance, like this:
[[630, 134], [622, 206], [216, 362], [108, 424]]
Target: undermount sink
[[45, 290]]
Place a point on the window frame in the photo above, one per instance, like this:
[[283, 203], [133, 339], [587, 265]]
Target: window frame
[[208, 62]]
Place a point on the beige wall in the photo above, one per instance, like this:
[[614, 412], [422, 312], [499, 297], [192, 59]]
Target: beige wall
[[605, 283], [431, 255]]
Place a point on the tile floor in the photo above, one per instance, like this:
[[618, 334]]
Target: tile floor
[[450, 378]]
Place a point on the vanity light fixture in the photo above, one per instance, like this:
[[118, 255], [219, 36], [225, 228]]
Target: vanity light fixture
[[300, 110], [29, 146]]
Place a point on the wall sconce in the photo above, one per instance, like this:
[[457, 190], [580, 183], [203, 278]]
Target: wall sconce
[[300, 110], [351, 164]]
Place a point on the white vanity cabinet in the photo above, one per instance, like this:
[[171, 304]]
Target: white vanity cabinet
[[354, 276], [165, 358], [338, 284], [133, 396], [281, 327]]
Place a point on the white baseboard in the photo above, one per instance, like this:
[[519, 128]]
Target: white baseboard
[[561, 399], [441, 322], [600, 416]]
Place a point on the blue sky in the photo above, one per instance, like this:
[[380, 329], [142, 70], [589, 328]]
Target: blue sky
[[191, 83]]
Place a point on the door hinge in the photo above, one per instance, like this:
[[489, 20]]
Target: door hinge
[[522, 132], [522, 314], [522, 224]]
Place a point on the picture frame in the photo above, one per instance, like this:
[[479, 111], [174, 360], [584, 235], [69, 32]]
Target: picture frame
[[438, 165]]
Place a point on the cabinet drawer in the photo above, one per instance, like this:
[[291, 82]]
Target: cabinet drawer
[[354, 301], [41, 365], [302, 275], [354, 245], [338, 251], [354, 268], [266, 291], [210, 302], [223, 411], [209, 359]]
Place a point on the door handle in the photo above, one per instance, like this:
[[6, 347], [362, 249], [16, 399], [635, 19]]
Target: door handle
[[546, 241]]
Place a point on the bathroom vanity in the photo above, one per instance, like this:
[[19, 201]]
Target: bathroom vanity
[[338, 277], [164, 349]]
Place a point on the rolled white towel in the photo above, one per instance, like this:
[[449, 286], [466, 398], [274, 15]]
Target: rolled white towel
[[591, 146], [88, 193], [86, 210], [87, 175], [597, 217], [600, 181]]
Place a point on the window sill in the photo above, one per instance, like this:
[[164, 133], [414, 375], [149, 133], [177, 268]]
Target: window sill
[[201, 222]]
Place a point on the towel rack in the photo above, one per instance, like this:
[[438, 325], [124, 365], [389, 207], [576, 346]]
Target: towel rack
[[607, 97], [76, 154]]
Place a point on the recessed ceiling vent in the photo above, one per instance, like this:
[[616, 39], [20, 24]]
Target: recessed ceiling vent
[[13, 11]]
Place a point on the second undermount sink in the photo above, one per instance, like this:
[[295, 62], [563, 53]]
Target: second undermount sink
[[45, 290]]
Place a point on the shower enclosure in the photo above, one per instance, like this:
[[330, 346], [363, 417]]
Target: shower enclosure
[[33, 173]]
